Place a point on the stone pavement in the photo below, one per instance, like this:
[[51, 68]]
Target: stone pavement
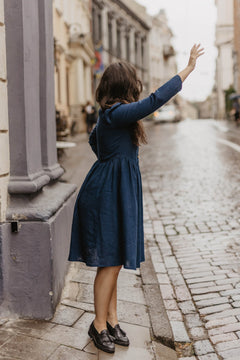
[[65, 337], [192, 226]]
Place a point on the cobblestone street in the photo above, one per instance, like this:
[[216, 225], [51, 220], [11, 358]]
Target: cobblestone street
[[191, 180]]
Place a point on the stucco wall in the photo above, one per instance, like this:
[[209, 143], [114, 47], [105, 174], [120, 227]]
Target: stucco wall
[[33, 258], [4, 140], [73, 59]]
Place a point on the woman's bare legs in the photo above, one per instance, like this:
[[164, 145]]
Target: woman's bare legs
[[104, 286], [112, 317]]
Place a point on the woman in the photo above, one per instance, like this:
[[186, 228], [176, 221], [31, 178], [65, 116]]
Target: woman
[[107, 228]]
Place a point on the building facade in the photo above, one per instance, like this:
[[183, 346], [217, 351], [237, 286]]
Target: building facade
[[74, 55], [121, 32], [36, 208], [225, 46], [237, 45], [163, 63]]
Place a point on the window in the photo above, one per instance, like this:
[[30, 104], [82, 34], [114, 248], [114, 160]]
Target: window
[[110, 43], [58, 85], [118, 43], [136, 50], [99, 35], [93, 25], [143, 53], [127, 48], [67, 86]]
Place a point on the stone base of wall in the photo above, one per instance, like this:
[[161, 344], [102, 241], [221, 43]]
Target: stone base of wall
[[34, 259]]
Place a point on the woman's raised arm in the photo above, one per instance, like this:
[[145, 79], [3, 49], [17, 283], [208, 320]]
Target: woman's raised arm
[[121, 115]]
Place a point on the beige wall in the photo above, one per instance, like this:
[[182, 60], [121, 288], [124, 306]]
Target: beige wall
[[74, 58], [61, 34], [237, 45], [4, 139], [162, 68], [225, 45]]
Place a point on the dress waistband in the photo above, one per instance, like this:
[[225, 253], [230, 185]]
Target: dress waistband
[[119, 157]]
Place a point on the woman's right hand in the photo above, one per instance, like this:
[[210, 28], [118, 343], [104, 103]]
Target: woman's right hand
[[196, 51]]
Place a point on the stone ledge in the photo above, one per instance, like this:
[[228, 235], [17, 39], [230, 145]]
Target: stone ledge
[[40, 206]]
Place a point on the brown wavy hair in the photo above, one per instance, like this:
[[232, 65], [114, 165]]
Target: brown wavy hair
[[119, 83]]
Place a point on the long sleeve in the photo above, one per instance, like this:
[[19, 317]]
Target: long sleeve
[[93, 140], [126, 114]]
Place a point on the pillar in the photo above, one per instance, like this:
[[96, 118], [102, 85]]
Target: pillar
[[4, 138], [35, 236], [139, 51], [105, 43], [22, 43], [47, 107]]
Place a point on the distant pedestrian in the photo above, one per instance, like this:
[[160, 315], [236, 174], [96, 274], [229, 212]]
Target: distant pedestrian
[[236, 108], [107, 227], [90, 116]]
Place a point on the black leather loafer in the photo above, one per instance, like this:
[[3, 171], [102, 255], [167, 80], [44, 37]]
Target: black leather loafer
[[102, 340], [120, 337]]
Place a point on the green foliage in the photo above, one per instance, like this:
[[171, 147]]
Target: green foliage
[[228, 101]]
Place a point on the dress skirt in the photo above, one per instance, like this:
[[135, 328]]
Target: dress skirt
[[107, 227]]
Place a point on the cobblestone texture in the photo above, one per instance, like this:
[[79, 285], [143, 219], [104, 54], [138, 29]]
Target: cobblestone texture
[[191, 187]]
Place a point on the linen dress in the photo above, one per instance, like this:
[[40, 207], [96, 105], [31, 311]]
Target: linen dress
[[107, 224]]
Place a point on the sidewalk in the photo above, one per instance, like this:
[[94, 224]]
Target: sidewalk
[[65, 336]]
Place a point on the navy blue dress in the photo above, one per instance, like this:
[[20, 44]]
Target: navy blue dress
[[107, 225]]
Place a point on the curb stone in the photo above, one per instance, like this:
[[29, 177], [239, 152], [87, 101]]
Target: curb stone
[[161, 327], [170, 333]]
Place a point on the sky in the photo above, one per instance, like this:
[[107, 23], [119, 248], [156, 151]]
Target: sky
[[192, 21]]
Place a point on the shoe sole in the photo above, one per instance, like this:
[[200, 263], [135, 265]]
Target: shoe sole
[[120, 343], [99, 346]]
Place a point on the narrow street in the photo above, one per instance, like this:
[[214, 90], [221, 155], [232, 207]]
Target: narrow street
[[191, 180]]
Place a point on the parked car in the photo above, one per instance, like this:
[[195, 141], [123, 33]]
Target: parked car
[[167, 113]]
